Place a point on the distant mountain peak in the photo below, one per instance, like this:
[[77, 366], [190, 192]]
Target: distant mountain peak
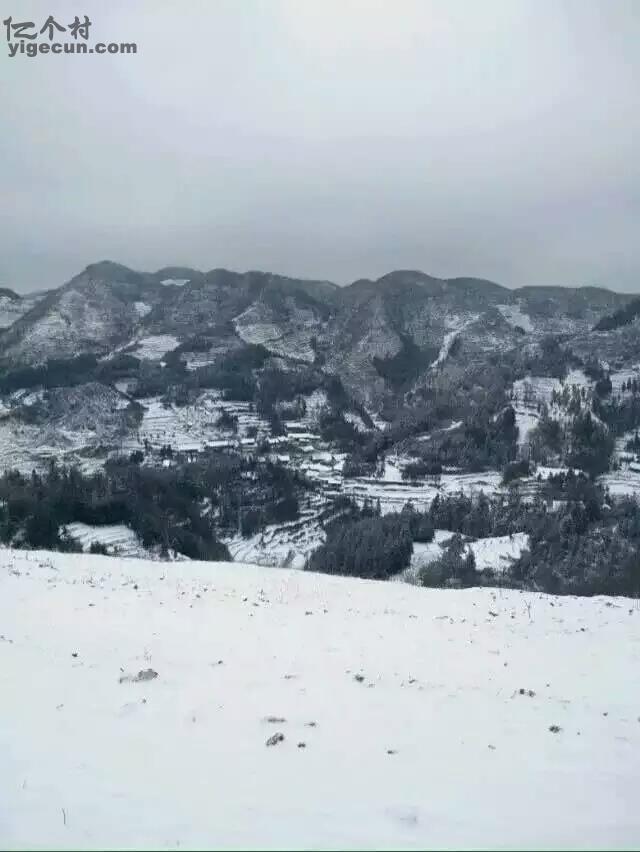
[[108, 270], [7, 293]]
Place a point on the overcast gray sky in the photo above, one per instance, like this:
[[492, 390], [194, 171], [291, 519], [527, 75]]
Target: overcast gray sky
[[336, 140]]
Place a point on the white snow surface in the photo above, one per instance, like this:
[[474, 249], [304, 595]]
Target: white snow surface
[[192, 427], [447, 343], [515, 316], [578, 378], [622, 377], [494, 553], [535, 389], [456, 326], [434, 748], [392, 471], [624, 482], [424, 553], [393, 495], [497, 552], [526, 420], [155, 346], [142, 309], [118, 538], [286, 545]]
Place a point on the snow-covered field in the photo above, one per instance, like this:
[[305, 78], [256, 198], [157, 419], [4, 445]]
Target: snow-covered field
[[154, 346], [623, 482], [117, 538], [497, 552], [539, 389], [621, 377], [394, 494], [26, 447], [515, 316], [193, 427], [535, 389], [287, 545], [424, 553], [527, 418], [428, 717]]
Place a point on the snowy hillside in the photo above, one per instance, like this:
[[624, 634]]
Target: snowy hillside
[[411, 718], [13, 306]]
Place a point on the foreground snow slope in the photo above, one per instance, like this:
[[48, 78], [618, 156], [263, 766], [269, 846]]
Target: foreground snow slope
[[435, 746]]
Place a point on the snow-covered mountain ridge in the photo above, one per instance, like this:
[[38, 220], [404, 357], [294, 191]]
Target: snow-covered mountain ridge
[[108, 305]]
